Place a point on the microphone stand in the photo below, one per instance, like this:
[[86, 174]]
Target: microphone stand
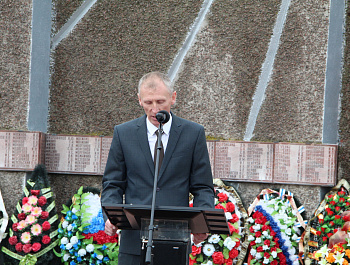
[[151, 227]]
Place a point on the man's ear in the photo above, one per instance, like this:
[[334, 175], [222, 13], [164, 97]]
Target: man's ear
[[138, 96], [173, 98]]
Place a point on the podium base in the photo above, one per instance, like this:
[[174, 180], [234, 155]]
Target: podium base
[[167, 252]]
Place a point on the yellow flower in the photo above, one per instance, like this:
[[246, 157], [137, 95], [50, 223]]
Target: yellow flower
[[345, 262], [330, 258]]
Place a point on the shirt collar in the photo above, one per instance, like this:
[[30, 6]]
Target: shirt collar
[[151, 129]]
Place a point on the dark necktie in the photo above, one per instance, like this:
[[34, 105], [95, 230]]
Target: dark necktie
[[161, 154]]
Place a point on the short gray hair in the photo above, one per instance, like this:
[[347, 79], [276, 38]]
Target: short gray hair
[[166, 80]]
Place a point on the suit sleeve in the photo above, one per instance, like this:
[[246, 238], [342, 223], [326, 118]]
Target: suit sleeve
[[114, 177], [201, 183]]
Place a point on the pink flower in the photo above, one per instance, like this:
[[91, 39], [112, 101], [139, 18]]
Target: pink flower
[[36, 229], [25, 238], [33, 200], [21, 225], [36, 211], [31, 219], [27, 208]]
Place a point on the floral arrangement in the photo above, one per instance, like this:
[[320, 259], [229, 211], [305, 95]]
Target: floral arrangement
[[33, 230], [275, 226], [81, 232], [327, 221], [223, 249]]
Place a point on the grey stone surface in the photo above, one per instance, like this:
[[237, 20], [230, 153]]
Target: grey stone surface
[[11, 185]]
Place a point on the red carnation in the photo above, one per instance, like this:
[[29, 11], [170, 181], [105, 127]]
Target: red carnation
[[323, 229], [46, 239], [251, 229], [331, 223], [341, 193], [252, 243], [267, 242], [42, 201], [25, 200], [222, 197], [192, 261], [218, 258], [259, 249], [258, 234], [266, 255], [35, 192], [219, 206], [274, 262], [44, 215], [257, 215], [27, 248], [14, 227], [196, 250], [332, 203], [234, 218], [36, 247], [46, 226], [230, 207], [19, 247], [228, 262], [321, 221], [272, 233], [265, 227], [13, 240], [237, 243], [21, 216], [337, 217], [259, 221], [233, 253]]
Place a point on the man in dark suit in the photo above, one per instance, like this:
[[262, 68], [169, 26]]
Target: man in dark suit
[[130, 169]]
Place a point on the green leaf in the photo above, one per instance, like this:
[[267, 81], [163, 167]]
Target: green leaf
[[200, 258], [226, 253], [80, 191], [57, 254], [221, 243]]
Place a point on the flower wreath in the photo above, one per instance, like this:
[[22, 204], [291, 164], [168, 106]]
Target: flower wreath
[[275, 226], [32, 233], [223, 249], [81, 232], [328, 220]]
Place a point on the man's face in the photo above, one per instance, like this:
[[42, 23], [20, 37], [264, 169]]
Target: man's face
[[154, 96]]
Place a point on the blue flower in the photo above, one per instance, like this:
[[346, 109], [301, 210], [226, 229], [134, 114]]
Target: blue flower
[[94, 255], [104, 247], [62, 246], [105, 259], [74, 217], [79, 259], [60, 231], [72, 263]]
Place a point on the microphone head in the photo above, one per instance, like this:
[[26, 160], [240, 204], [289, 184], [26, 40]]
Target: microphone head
[[163, 116]]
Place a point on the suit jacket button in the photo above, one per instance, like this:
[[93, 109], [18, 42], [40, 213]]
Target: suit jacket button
[[158, 189]]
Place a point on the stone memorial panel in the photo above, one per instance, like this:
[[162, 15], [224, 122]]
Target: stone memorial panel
[[106, 145], [20, 150], [305, 164], [73, 154], [244, 161]]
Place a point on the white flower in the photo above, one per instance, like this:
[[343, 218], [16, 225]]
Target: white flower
[[294, 237], [100, 257], [64, 240], [251, 238], [69, 227], [208, 263], [229, 243], [90, 248], [74, 240], [258, 255], [323, 251], [258, 240], [274, 254], [253, 252], [265, 234], [66, 257], [69, 246], [228, 216], [288, 231], [82, 252], [256, 227], [339, 258], [265, 247], [74, 210], [214, 239], [208, 249], [323, 262], [251, 220], [266, 261], [65, 224]]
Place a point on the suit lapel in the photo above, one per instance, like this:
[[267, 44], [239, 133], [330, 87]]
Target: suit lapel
[[175, 132], [143, 141]]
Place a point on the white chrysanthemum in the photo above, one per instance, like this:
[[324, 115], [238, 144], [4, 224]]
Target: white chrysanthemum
[[69, 246], [256, 227], [258, 255], [66, 257], [266, 261], [208, 249], [258, 240], [251, 220], [65, 224], [90, 248], [82, 252], [265, 233], [74, 240], [253, 252], [214, 239], [265, 247], [64, 240], [274, 254]]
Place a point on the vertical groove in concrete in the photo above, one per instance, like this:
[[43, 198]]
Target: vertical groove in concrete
[[39, 76], [266, 70], [72, 22], [333, 76], [174, 68]]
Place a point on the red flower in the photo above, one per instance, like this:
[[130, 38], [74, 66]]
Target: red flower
[[228, 261], [222, 197], [324, 239], [234, 218], [274, 262], [233, 253], [35, 192], [24, 200], [265, 227], [259, 221], [272, 233], [267, 242], [19, 247], [27, 248], [42, 201], [196, 250], [341, 200], [321, 221], [192, 261], [329, 235], [258, 234], [44, 215], [323, 229], [347, 204], [337, 217], [252, 243], [257, 215], [331, 223], [36, 247], [218, 258], [318, 233], [232, 229], [14, 227], [13, 240], [251, 229], [266, 255], [341, 193], [46, 239], [337, 208], [46, 226], [21, 216], [259, 249], [230, 207], [332, 203], [237, 243]]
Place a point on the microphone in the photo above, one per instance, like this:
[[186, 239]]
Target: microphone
[[163, 116]]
